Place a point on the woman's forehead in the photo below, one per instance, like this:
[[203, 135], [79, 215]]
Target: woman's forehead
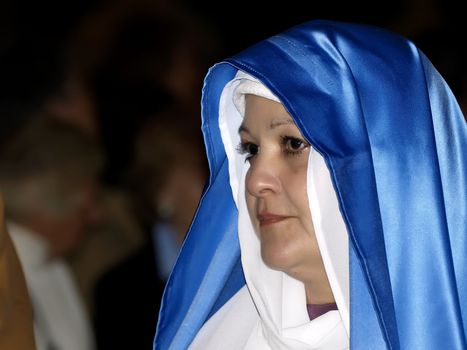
[[264, 112]]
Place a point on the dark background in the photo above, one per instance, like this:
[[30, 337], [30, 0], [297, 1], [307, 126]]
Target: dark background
[[35, 34]]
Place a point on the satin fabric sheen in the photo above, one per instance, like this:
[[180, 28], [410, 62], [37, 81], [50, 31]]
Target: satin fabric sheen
[[394, 140]]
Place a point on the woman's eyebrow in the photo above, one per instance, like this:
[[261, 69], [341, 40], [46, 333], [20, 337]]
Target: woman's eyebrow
[[274, 124], [280, 122]]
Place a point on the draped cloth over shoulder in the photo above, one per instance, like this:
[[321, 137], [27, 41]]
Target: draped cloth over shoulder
[[16, 325], [394, 140]]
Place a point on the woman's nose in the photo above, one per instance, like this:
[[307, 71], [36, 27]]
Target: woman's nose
[[262, 178]]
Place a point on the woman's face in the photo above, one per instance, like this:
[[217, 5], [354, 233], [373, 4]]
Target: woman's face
[[276, 191]]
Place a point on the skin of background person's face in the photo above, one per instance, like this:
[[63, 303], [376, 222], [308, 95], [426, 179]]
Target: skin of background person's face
[[276, 191], [66, 230]]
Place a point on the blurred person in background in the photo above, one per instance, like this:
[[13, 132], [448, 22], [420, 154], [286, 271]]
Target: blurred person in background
[[32, 58], [48, 176], [144, 56], [166, 180], [74, 102], [46, 72]]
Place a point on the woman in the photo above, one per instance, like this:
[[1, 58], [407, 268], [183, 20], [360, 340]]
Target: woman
[[344, 151]]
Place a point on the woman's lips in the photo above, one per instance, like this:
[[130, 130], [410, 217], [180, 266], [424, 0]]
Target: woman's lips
[[266, 219]]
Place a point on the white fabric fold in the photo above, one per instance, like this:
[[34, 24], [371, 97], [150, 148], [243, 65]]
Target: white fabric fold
[[249, 85]]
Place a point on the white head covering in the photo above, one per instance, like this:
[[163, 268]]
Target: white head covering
[[249, 85], [270, 311]]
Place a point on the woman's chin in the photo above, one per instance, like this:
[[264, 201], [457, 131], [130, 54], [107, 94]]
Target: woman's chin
[[276, 259]]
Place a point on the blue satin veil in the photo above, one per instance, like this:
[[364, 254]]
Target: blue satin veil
[[395, 142]]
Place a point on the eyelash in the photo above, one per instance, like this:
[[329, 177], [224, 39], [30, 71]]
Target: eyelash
[[287, 140], [246, 147]]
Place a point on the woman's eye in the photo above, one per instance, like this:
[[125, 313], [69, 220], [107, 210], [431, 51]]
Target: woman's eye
[[293, 145], [251, 149], [248, 148]]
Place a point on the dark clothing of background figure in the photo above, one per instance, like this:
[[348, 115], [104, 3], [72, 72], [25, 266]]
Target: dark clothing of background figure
[[127, 303]]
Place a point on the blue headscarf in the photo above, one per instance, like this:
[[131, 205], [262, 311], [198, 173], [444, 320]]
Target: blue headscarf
[[394, 140]]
